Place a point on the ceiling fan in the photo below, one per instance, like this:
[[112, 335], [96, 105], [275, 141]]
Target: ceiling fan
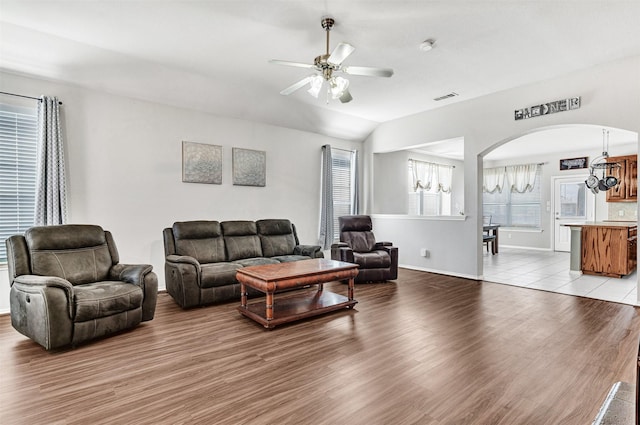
[[328, 64]]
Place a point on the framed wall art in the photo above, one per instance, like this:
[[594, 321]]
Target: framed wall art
[[201, 163], [249, 167]]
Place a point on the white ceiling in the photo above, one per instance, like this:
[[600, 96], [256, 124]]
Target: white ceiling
[[213, 55]]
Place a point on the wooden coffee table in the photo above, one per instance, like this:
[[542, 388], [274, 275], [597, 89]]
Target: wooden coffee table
[[271, 278]]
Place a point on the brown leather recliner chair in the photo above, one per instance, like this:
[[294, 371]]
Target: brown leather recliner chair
[[68, 286], [378, 261]]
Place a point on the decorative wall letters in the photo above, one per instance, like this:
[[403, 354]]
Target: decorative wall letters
[[548, 108]]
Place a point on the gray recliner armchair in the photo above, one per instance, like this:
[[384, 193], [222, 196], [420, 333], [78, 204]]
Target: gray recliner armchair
[[68, 286], [378, 261]]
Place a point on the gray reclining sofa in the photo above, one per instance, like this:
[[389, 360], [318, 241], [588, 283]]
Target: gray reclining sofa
[[202, 257]]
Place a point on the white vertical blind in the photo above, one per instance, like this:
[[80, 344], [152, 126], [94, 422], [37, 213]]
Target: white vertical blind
[[18, 134], [343, 178]]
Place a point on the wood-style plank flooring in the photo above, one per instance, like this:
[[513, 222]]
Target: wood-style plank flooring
[[426, 349]]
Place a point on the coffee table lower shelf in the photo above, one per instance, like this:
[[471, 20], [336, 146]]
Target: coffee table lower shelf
[[295, 307]]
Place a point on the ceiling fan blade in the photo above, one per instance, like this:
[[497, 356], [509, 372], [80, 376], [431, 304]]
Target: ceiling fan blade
[[295, 86], [296, 64], [340, 53], [346, 96], [367, 71]]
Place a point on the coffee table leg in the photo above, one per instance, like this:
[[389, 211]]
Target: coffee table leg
[[350, 291], [269, 306], [243, 295]]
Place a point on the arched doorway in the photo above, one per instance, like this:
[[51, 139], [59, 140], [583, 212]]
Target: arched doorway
[[528, 255]]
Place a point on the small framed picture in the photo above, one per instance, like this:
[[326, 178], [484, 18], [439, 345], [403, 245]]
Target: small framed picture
[[201, 163], [574, 163], [249, 167]]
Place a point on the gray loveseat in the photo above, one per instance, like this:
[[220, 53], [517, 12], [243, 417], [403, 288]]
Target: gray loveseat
[[68, 286], [202, 257]]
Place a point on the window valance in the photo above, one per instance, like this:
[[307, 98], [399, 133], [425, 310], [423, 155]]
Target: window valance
[[431, 176], [521, 178]]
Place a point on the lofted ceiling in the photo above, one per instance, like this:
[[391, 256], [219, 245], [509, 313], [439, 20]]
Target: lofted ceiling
[[213, 55]]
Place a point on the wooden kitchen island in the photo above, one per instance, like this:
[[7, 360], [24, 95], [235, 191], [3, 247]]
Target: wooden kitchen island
[[605, 248]]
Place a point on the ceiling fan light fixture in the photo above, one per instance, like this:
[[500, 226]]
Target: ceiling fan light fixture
[[327, 64], [338, 86], [346, 97], [315, 85]]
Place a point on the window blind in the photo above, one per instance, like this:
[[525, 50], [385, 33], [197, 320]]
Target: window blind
[[513, 209], [18, 135], [343, 175]]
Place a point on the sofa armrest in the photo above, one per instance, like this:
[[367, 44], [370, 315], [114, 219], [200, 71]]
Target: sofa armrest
[[383, 243], [393, 253], [183, 276], [313, 251], [141, 275], [35, 283], [130, 273], [182, 259], [342, 252]]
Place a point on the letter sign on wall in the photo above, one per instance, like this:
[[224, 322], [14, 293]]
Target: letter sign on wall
[[548, 108]]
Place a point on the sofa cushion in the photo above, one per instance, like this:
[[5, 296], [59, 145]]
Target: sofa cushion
[[78, 253], [102, 299], [359, 241], [372, 260], [277, 245], [288, 258], [257, 261], [219, 274], [276, 237], [241, 240], [201, 240]]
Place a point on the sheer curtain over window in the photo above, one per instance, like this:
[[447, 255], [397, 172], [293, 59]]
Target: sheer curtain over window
[[429, 188], [493, 179], [51, 191], [522, 177], [18, 141]]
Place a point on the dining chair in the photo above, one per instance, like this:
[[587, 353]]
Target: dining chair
[[487, 237]]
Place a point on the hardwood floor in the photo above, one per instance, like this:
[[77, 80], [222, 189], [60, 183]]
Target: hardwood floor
[[427, 349]]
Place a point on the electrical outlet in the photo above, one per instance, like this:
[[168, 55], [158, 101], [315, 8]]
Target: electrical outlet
[[621, 213], [424, 252], [509, 235]]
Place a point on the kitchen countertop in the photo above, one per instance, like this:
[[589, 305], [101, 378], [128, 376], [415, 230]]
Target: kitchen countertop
[[610, 224]]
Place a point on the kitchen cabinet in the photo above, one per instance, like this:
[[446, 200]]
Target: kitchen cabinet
[[609, 250], [627, 174]]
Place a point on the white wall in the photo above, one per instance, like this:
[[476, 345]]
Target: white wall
[[610, 97], [125, 169]]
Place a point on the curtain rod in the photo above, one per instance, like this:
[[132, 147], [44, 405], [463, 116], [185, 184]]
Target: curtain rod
[[26, 97], [427, 162], [343, 150]]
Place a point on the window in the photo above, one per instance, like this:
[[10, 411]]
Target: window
[[343, 175], [18, 134], [512, 209], [428, 202]]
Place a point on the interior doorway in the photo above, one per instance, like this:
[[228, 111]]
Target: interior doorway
[[572, 203]]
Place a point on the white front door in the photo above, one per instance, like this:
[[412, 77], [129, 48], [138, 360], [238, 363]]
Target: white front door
[[573, 203]]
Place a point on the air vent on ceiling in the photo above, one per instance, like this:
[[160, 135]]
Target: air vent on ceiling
[[446, 96]]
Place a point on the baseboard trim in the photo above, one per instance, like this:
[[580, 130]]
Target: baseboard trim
[[446, 273]]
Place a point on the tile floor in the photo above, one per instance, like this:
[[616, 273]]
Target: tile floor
[[549, 271]]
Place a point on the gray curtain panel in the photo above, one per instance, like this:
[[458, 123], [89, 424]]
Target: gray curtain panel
[[355, 202], [51, 188], [326, 209]]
